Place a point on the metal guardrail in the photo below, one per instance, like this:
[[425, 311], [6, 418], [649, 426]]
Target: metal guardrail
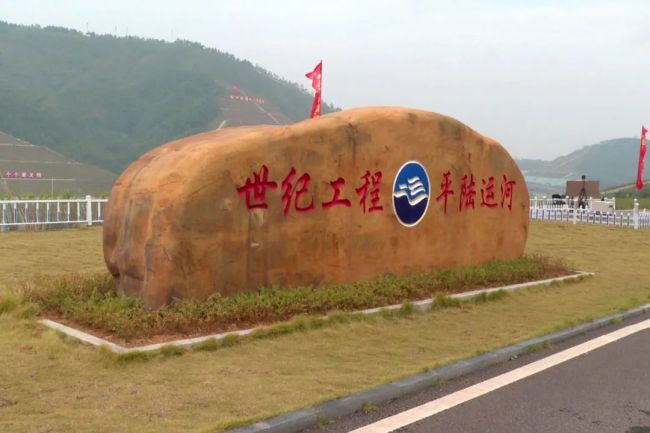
[[16, 214]]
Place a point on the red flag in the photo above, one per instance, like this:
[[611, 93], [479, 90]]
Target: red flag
[[639, 176], [316, 77]]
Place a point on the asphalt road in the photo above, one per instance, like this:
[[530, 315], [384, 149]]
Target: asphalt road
[[606, 390]]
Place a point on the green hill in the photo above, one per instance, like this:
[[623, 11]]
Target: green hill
[[612, 162], [529, 164], [106, 100]]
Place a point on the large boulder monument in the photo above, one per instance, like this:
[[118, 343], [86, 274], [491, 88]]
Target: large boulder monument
[[348, 196]]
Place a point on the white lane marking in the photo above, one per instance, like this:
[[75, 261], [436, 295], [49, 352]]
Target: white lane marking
[[436, 406]]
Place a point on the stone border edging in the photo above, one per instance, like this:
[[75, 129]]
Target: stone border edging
[[296, 421], [87, 338]]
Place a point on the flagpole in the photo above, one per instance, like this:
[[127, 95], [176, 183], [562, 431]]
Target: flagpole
[[640, 170], [316, 77]]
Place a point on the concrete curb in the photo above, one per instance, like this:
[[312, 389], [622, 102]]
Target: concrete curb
[[86, 338], [302, 419]]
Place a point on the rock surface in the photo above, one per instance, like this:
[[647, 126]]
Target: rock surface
[[312, 203]]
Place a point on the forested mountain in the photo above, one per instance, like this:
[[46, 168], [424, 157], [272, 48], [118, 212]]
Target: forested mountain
[[612, 162], [529, 164], [106, 100]]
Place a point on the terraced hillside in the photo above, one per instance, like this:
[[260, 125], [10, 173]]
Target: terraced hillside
[[26, 168], [238, 109]]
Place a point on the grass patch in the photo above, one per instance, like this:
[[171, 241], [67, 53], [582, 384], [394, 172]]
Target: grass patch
[[50, 253], [497, 295], [230, 340], [623, 203], [166, 351], [8, 302], [306, 323], [537, 347], [91, 301], [171, 350], [207, 345], [445, 302], [129, 357], [368, 407], [321, 423]]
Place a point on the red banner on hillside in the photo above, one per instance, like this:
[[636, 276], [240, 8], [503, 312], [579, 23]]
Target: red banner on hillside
[[642, 150], [316, 77]]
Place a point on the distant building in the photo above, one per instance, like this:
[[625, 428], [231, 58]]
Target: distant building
[[592, 188]]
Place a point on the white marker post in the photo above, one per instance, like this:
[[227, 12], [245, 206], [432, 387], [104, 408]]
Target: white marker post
[[89, 210], [575, 213]]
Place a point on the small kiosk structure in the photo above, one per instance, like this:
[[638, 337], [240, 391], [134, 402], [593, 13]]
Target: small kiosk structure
[[584, 194]]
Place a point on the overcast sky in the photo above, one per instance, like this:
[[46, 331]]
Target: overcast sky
[[542, 77]]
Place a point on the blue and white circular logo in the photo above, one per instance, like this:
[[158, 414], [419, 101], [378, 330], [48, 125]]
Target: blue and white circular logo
[[411, 193]]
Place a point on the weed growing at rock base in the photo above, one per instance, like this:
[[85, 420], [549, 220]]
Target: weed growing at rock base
[[91, 301]]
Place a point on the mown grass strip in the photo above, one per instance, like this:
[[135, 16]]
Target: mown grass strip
[[301, 324], [90, 300], [67, 387]]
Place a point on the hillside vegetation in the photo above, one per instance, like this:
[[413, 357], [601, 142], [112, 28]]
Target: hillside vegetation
[[612, 162], [106, 100]]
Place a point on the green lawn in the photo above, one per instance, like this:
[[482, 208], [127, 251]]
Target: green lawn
[[51, 384], [24, 255], [623, 203]]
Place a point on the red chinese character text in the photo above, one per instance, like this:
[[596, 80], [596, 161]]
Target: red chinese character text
[[445, 189], [336, 200], [467, 193], [487, 193], [364, 190], [289, 190], [507, 188], [257, 189]]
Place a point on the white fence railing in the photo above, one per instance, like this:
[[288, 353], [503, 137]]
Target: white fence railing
[[632, 219], [51, 213], [44, 214], [599, 204]]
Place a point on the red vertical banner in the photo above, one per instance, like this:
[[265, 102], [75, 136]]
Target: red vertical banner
[[639, 175], [316, 77]]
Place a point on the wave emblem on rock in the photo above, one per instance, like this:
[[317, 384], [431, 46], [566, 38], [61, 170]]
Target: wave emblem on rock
[[411, 193]]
